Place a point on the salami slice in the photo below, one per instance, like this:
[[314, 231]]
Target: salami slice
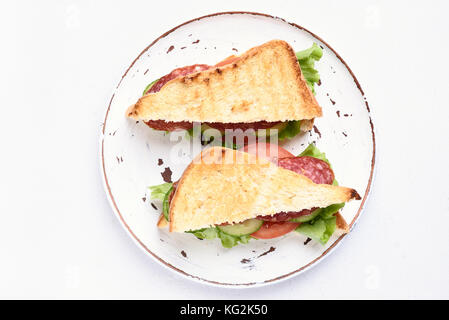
[[315, 169], [286, 216], [169, 125]]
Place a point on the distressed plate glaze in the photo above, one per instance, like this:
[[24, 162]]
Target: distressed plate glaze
[[134, 157]]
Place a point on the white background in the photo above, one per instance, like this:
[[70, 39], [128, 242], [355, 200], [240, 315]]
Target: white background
[[59, 64]]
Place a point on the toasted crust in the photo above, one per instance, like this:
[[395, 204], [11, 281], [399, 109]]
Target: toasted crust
[[307, 125], [264, 84], [341, 223], [225, 185], [162, 222]]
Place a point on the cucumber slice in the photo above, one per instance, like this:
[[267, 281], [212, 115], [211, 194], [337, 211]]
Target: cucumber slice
[[243, 228], [271, 131], [308, 217]]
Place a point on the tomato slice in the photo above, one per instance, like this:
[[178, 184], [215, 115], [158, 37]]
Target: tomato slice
[[267, 150], [270, 230]]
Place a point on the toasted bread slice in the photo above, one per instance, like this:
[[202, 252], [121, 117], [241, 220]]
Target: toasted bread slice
[[162, 222], [224, 185], [264, 84]]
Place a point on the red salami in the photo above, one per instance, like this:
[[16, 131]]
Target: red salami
[[315, 169], [286, 216], [169, 125]]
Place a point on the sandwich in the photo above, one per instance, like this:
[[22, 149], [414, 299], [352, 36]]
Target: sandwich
[[267, 87], [239, 195]]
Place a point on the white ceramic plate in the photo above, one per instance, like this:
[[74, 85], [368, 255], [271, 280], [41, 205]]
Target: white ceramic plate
[[130, 151]]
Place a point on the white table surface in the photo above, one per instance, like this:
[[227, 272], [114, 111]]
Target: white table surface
[[61, 60]]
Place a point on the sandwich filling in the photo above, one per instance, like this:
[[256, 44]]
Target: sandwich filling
[[316, 223], [306, 60]]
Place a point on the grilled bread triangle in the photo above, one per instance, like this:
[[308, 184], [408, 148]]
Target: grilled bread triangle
[[264, 84], [223, 185]]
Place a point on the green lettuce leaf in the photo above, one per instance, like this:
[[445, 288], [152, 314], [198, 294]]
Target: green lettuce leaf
[[315, 52], [306, 59], [328, 212], [159, 191], [206, 233], [166, 205], [227, 241], [162, 192], [291, 130], [319, 229]]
